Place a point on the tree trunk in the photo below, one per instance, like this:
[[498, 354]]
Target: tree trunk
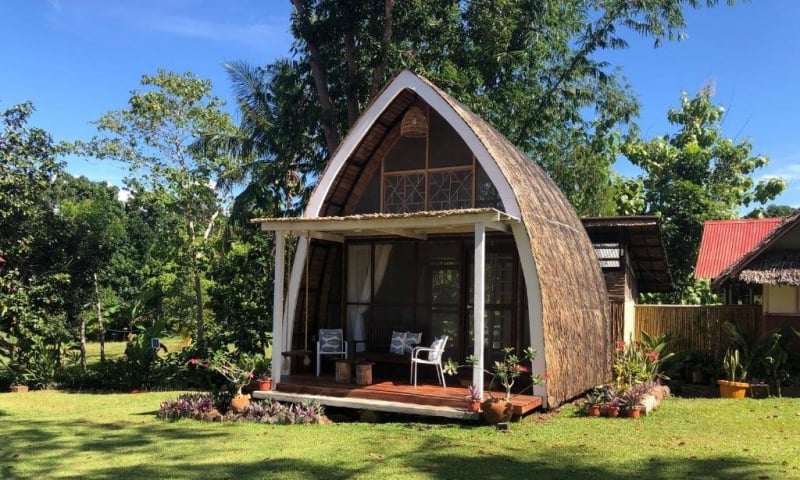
[[320, 77], [380, 69], [100, 321], [83, 344], [198, 299]]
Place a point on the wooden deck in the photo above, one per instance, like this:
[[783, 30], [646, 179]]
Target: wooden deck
[[387, 396]]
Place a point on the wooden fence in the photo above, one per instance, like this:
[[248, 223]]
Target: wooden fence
[[697, 328]]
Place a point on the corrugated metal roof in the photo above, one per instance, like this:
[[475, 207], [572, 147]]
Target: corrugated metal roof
[[726, 241]]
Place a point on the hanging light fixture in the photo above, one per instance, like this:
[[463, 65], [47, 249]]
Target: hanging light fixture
[[414, 124]]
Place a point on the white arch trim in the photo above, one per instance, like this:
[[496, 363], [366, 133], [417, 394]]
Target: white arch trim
[[407, 80]]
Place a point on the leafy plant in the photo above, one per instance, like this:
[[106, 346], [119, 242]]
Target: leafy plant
[[474, 394], [732, 367], [506, 372], [640, 362], [188, 405]]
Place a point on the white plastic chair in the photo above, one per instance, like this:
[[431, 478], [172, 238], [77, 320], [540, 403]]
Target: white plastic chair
[[433, 357], [330, 341]]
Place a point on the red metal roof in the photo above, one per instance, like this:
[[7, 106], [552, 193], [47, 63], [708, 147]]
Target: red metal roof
[[726, 241]]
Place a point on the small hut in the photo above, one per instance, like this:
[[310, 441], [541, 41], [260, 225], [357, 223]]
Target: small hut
[[427, 219], [772, 269]]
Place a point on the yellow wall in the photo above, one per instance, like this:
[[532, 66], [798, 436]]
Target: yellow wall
[[780, 299]]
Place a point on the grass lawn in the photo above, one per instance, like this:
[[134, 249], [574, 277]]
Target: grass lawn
[[51, 434]]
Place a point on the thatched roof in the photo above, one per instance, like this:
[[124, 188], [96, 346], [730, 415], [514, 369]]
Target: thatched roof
[[569, 293], [773, 261], [780, 267], [642, 237], [573, 291]]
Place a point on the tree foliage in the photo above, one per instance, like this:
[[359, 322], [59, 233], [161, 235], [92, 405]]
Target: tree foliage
[[694, 175], [531, 68], [771, 211], [156, 136]]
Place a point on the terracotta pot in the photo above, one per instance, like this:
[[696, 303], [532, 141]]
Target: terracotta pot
[[239, 403], [496, 410], [728, 389], [634, 412], [264, 385], [474, 406], [19, 388], [593, 410], [612, 411]]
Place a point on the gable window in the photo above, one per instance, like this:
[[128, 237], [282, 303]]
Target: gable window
[[434, 172]]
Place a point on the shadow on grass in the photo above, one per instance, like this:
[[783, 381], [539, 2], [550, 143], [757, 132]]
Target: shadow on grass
[[45, 442]]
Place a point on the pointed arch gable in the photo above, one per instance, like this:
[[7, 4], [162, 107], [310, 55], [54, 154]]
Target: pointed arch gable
[[406, 80]]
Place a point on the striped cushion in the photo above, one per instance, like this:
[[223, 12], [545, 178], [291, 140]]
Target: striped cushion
[[330, 340], [398, 344], [434, 355], [412, 340]]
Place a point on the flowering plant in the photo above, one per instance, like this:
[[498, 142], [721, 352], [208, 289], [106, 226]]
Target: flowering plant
[[639, 362], [473, 394], [507, 371], [237, 374]]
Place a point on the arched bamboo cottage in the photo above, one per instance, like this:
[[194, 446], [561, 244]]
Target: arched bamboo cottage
[[404, 214]]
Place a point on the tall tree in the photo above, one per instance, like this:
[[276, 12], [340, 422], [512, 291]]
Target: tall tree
[[694, 175], [154, 136], [532, 68]]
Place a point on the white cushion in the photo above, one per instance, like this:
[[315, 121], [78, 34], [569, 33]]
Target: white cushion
[[412, 340], [330, 340], [435, 354], [398, 344]]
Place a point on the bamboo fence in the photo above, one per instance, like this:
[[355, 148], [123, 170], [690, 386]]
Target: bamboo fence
[[697, 328]]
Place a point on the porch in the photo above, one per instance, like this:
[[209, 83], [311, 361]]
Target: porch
[[385, 395]]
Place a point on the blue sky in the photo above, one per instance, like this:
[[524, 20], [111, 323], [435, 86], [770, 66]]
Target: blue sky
[[76, 59]]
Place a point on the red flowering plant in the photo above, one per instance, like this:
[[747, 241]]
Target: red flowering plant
[[639, 362], [507, 371], [237, 373]]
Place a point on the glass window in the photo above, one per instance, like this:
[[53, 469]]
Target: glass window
[[404, 193], [397, 285], [450, 190], [370, 201], [486, 195], [447, 149], [406, 154]]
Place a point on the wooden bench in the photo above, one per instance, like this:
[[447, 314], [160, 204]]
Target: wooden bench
[[379, 338]]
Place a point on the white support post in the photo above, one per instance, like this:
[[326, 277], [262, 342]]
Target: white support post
[[277, 308], [478, 304]]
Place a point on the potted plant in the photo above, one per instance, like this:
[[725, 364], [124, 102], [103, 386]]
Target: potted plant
[[474, 398], [594, 401], [237, 374], [505, 372], [613, 404], [632, 398], [734, 385]]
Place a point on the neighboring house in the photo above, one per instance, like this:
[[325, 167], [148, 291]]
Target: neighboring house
[[773, 265], [428, 219], [632, 256], [723, 243]]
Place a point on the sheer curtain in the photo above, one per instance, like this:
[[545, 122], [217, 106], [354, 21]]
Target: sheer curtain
[[359, 278]]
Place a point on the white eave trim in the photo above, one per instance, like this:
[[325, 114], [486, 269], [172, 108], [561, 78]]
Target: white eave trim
[[416, 225]]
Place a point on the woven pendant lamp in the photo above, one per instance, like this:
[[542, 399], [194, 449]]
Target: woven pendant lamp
[[414, 124]]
